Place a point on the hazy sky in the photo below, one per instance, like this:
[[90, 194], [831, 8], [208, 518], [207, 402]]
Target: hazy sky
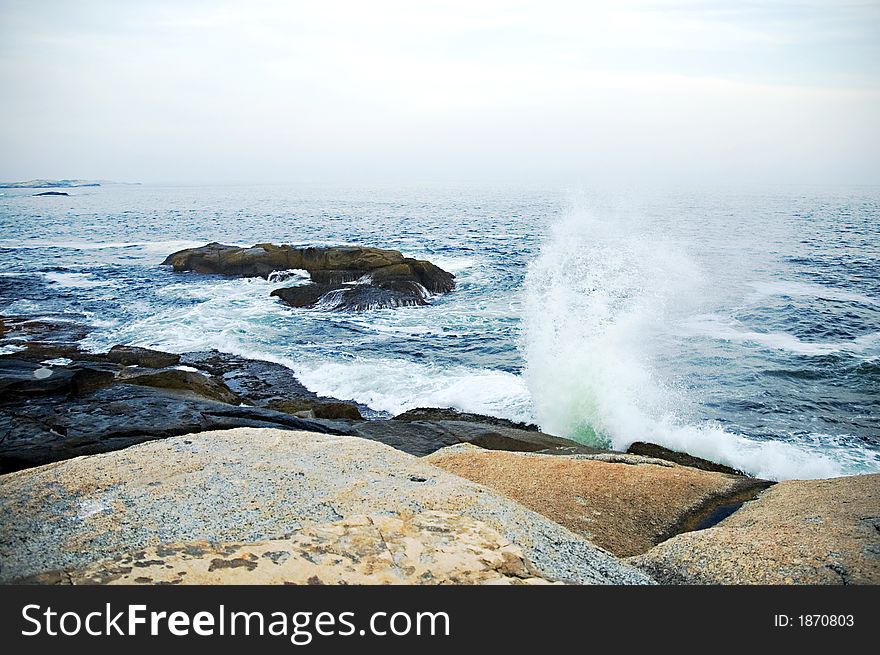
[[387, 91]]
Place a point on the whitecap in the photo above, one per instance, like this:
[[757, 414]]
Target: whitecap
[[765, 288], [720, 328], [75, 280]]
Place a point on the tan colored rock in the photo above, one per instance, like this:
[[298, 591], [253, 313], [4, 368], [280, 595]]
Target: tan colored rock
[[623, 503], [797, 532], [251, 485], [427, 548]]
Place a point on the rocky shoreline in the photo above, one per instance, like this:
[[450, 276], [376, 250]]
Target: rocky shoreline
[[137, 466]]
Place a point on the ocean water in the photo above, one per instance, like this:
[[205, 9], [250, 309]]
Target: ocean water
[[742, 325]]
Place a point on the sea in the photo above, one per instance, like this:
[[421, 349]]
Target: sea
[[737, 324]]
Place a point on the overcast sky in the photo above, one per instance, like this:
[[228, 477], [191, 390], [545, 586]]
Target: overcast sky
[[471, 91]]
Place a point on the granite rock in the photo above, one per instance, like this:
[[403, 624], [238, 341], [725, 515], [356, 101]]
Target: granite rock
[[796, 532], [624, 503], [251, 485], [425, 548]]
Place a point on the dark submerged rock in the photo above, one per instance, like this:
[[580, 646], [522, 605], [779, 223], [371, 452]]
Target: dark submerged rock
[[45, 339], [52, 193], [353, 297]]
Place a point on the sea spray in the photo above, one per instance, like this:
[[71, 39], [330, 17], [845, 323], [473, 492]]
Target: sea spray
[[594, 298], [598, 299]]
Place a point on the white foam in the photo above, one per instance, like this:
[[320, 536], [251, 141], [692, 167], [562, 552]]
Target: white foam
[[771, 460], [395, 386], [292, 275], [11, 348], [451, 264], [58, 361], [75, 280], [725, 329]]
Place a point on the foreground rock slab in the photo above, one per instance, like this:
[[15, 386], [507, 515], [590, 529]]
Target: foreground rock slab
[[624, 503], [797, 532], [426, 548], [252, 485]]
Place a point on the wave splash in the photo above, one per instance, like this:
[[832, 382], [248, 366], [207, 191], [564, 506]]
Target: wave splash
[[596, 300]]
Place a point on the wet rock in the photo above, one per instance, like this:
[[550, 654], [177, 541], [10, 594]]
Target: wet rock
[[172, 378], [19, 377], [135, 356], [245, 486], [91, 376], [653, 450], [424, 548], [47, 428], [452, 414], [328, 410], [624, 503], [424, 437], [45, 339], [796, 532], [270, 385], [52, 193]]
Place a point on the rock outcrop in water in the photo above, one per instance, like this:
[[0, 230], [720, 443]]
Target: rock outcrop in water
[[352, 278]]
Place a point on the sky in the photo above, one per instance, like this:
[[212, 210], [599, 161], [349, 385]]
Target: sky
[[387, 91]]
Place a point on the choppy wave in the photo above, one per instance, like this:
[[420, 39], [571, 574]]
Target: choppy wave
[[201, 315]]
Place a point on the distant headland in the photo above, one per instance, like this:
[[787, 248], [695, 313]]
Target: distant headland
[[54, 184]]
